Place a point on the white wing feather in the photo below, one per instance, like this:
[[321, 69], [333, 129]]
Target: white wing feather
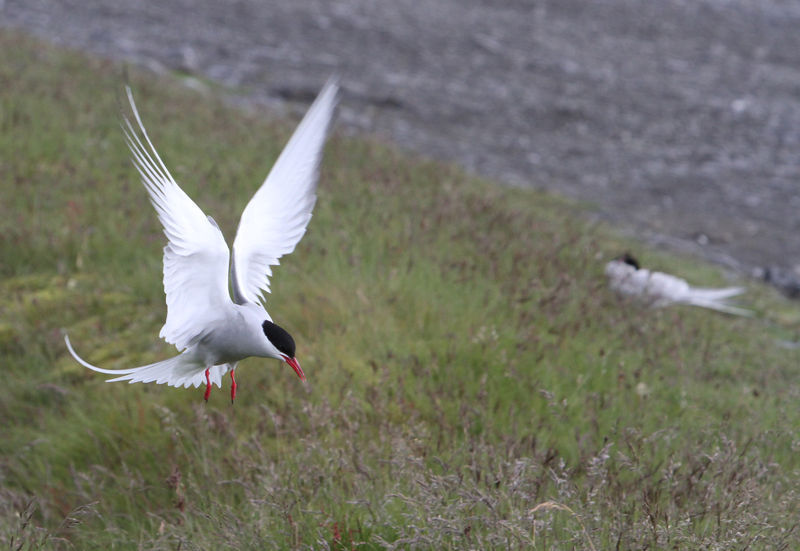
[[275, 219], [196, 257]]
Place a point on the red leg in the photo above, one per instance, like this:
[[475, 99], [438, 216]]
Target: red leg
[[233, 386], [208, 385]]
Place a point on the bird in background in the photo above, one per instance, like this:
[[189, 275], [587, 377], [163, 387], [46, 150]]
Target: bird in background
[[213, 331], [626, 277]]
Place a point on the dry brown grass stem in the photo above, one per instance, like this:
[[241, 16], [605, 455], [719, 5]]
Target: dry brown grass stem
[[547, 505]]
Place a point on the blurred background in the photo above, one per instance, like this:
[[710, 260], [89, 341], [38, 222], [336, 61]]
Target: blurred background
[[678, 120]]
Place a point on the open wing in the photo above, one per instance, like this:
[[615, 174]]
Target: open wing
[[275, 219], [196, 257]]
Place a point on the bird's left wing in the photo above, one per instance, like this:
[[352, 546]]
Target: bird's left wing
[[196, 257], [275, 219]]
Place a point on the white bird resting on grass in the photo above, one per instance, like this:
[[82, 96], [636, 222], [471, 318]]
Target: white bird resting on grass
[[660, 289], [212, 331]]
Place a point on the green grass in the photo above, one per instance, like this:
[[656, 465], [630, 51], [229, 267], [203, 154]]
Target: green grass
[[466, 362]]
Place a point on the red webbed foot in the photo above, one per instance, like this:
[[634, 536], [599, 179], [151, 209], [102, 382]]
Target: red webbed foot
[[208, 386]]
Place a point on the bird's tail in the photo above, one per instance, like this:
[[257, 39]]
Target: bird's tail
[[716, 299], [181, 370]]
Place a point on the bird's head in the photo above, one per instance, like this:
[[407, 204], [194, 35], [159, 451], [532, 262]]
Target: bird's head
[[628, 259], [283, 343]]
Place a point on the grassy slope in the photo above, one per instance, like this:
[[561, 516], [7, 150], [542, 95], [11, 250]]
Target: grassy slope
[[465, 361]]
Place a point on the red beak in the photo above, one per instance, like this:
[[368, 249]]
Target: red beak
[[296, 366]]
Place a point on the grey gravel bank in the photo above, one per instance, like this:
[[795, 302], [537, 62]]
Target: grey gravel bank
[[679, 119]]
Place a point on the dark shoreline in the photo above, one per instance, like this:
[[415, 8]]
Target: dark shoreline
[[679, 120]]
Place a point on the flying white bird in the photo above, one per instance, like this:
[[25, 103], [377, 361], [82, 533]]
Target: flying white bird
[[660, 289], [214, 332]]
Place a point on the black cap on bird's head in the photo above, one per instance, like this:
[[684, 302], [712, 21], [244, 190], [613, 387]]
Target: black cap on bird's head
[[278, 336], [284, 342], [628, 258]]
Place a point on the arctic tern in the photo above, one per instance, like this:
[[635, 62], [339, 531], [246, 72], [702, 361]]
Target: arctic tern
[[212, 331], [659, 289]]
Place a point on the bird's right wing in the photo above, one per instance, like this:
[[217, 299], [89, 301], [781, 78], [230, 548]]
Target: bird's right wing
[[275, 219], [196, 257]]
